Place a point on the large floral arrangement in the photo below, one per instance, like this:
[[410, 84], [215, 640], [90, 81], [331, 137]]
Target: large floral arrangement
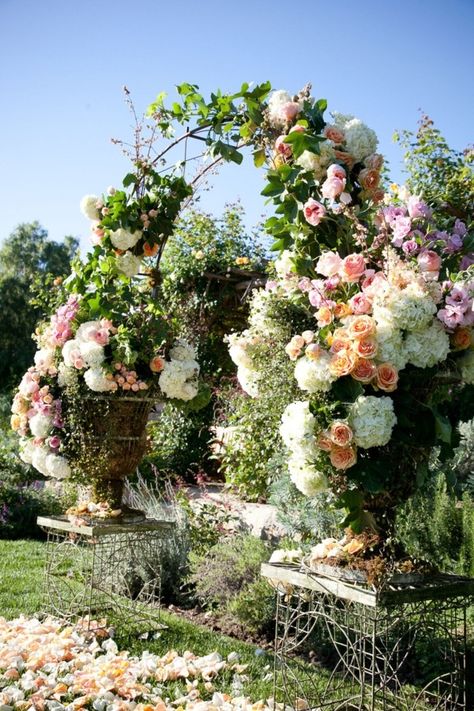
[[386, 370]]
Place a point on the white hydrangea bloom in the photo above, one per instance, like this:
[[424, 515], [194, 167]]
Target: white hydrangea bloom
[[38, 459], [183, 351], [314, 375], [122, 239], [317, 163], [297, 429], [178, 379], [372, 420], [248, 379], [259, 320], [361, 141], [86, 330], [40, 425], [466, 364], [89, 207], [96, 379], [306, 477], [284, 263], [411, 308], [57, 466], [129, 264], [44, 360], [27, 449], [238, 348], [92, 353], [69, 349], [390, 347], [424, 349]]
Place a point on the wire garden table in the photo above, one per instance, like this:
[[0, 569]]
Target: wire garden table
[[105, 572], [401, 648]]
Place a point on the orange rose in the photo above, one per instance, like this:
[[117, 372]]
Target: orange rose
[[341, 309], [361, 327], [149, 250], [156, 365], [340, 433], [461, 338], [324, 316], [387, 377], [324, 442], [352, 267], [343, 362], [343, 457], [364, 371], [369, 179], [366, 347]]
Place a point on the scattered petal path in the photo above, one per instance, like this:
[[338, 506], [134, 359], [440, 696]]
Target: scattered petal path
[[47, 666]]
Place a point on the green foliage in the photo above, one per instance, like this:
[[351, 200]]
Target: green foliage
[[227, 578], [443, 176], [437, 527]]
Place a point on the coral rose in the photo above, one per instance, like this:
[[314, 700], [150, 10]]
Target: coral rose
[[387, 377], [157, 364], [364, 371], [343, 362], [461, 338], [352, 267], [341, 310], [340, 433], [324, 316], [343, 457], [313, 211], [374, 161], [366, 347], [369, 179], [324, 442], [361, 326], [346, 158], [149, 250]]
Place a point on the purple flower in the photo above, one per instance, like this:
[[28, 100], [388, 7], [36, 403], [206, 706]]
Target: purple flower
[[466, 261], [451, 316], [304, 284], [271, 285], [460, 228], [459, 297], [410, 247], [454, 244], [315, 298], [418, 208]]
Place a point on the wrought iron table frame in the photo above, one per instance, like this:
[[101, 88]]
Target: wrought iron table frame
[[105, 571], [373, 637]]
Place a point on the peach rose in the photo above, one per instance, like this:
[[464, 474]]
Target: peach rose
[[313, 351], [334, 134], [323, 316], [374, 161], [369, 179], [324, 442], [366, 347], [341, 310], [361, 327], [461, 338], [343, 457], [156, 365], [339, 343], [15, 422], [340, 433], [387, 377], [360, 304], [429, 261], [308, 336], [364, 371], [332, 187], [343, 362], [352, 267], [292, 352], [346, 158], [149, 250], [290, 110], [298, 341]]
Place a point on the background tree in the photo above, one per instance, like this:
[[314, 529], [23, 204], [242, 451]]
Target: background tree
[[29, 262]]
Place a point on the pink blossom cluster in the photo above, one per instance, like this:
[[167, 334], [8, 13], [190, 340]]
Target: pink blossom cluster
[[60, 329], [457, 311], [125, 379], [32, 399]]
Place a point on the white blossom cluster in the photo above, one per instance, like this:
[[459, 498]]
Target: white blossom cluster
[[297, 430], [314, 376], [372, 420], [240, 346], [317, 163], [361, 141], [42, 459], [179, 377]]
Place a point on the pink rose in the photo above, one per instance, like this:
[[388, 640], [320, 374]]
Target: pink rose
[[373, 283], [298, 128], [282, 148], [360, 304], [332, 187], [328, 264], [429, 261], [418, 208], [352, 267], [101, 336], [289, 110], [313, 211], [336, 171]]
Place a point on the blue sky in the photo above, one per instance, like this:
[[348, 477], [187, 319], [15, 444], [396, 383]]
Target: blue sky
[[63, 63]]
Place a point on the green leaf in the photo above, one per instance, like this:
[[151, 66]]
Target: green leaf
[[259, 157], [443, 427], [347, 389], [129, 179]]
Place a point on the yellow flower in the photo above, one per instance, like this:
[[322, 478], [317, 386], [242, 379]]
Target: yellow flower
[[242, 260]]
